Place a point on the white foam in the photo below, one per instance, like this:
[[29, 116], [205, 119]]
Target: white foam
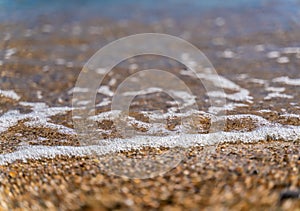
[[287, 80], [42, 123], [223, 83], [9, 119], [226, 107], [104, 102], [242, 77], [151, 128], [187, 98], [10, 52], [273, 54], [101, 70], [39, 117], [242, 95], [112, 82], [168, 115], [257, 81], [276, 92], [291, 115], [228, 54], [217, 80], [133, 67], [83, 102], [275, 89], [283, 60], [109, 115], [287, 133], [265, 111], [78, 89], [291, 50], [39, 95], [105, 90], [277, 95], [10, 94], [149, 90]]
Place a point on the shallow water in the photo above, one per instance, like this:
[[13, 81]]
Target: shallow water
[[253, 45]]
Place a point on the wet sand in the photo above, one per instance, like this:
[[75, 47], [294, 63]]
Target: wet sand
[[236, 176]]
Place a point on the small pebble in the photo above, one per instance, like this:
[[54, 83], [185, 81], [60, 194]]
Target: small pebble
[[289, 194], [12, 174]]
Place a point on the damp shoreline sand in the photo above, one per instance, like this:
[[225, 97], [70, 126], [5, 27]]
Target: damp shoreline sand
[[235, 176]]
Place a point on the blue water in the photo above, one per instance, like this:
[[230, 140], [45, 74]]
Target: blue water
[[126, 9]]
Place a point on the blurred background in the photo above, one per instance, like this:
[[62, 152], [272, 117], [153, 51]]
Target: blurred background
[[42, 41]]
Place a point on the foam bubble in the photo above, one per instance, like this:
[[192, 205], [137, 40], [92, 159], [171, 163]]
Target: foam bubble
[[275, 89], [277, 95], [10, 94], [78, 89], [291, 50], [242, 95], [104, 102], [228, 54], [257, 81], [143, 92], [283, 60], [217, 80], [226, 107], [273, 54], [287, 80], [290, 115], [105, 90], [10, 52]]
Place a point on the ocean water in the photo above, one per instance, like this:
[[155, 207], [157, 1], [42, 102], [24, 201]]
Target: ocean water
[[254, 46], [144, 10]]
